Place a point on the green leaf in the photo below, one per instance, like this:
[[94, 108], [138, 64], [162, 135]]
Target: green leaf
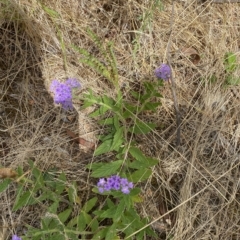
[[53, 208], [119, 211], [101, 234], [112, 233], [88, 206], [116, 122], [83, 220], [230, 62], [94, 225], [63, 216], [72, 193], [117, 139], [129, 112], [137, 199], [135, 94], [4, 184], [150, 162], [109, 213], [108, 101], [39, 182], [107, 121], [140, 175], [142, 127], [137, 154], [135, 191], [22, 200], [107, 169], [94, 166], [151, 106], [43, 196], [52, 13], [57, 236], [233, 81], [104, 147], [60, 183], [100, 111], [110, 203]]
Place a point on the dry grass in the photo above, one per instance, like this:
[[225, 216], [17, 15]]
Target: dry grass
[[198, 182]]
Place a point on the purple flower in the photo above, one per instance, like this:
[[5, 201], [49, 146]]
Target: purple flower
[[125, 190], [73, 83], [163, 72], [101, 182], [130, 185], [63, 92], [114, 183], [15, 237]]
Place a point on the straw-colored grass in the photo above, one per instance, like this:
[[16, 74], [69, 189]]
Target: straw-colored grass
[[196, 183]]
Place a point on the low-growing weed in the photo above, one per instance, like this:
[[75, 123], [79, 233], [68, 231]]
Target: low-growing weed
[[120, 175]]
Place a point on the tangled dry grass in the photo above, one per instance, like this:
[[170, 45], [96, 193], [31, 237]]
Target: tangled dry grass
[[194, 192]]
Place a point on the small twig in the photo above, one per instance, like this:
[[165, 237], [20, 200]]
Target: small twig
[[173, 85]]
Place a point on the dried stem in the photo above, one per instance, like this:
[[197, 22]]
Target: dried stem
[[173, 85]]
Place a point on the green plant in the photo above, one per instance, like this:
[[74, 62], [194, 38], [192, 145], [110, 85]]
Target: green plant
[[121, 117], [122, 120], [230, 62], [51, 191]]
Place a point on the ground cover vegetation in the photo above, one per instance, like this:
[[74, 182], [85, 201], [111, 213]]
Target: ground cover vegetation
[[119, 119]]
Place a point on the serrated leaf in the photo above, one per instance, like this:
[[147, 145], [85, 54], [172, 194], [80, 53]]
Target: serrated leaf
[[43, 196], [89, 204], [22, 200], [110, 203], [39, 181], [140, 175], [145, 97], [117, 139], [99, 112], [94, 225], [116, 122], [108, 101], [112, 233], [107, 169], [94, 166], [119, 211], [150, 162], [149, 86], [151, 106], [137, 154], [83, 220], [107, 121], [63, 216], [104, 138], [4, 184], [109, 213], [101, 234], [104, 147], [53, 208], [142, 127]]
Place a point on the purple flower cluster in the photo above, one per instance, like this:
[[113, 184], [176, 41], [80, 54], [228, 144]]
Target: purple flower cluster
[[63, 92], [15, 237], [164, 72], [114, 183]]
